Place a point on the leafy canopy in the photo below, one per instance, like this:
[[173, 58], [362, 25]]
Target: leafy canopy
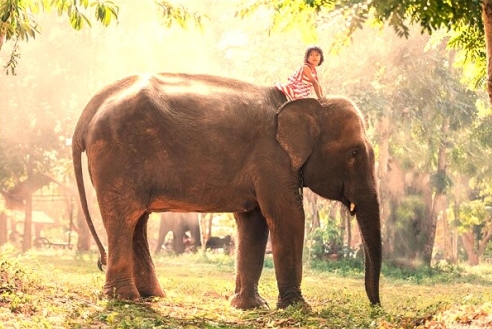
[[18, 18], [461, 19]]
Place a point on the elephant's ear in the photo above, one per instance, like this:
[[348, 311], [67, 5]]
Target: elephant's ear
[[298, 128]]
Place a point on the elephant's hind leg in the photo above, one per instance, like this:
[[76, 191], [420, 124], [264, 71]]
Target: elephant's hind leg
[[119, 274], [144, 272], [252, 236]]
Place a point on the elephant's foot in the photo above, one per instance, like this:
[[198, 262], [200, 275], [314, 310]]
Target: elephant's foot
[[292, 297], [248, 302], [299, 303], [151, 292], [128, 292]]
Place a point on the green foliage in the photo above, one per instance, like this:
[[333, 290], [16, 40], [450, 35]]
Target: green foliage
[[178, 14], [482, 132], [441, 182], [16, 286], [472, 214], [220, 260], [439, 274], [327, 240], [407, 222], [18, 19], [349, 267], [316, 243], [288, 15], [462, 19], [411, 208], [39, 147], [430, 15], [105, 11]]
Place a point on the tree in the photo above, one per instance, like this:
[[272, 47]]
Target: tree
[[475, 226], [45, 119], [418, 113], [18, 21], [18, 18], [433, 121], [469, 23], [471, 202]]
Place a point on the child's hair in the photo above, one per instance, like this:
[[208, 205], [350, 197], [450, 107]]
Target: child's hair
[[314, 48]]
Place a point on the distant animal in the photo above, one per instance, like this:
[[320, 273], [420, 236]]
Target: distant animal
[[179, 224], [217, 243]]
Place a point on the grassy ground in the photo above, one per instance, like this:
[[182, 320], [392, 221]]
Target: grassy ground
[[60, 289]]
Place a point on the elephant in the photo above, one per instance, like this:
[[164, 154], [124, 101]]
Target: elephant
[[174, 142], [179, 224]]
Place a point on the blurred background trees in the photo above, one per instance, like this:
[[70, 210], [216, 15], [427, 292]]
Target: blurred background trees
[[424, 102]]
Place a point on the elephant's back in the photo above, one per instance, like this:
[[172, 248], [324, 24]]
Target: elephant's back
[[93, 107], [198, 92], [172, 111], [186, 94]]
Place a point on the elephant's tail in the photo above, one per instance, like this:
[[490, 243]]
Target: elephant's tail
[[79, 177]]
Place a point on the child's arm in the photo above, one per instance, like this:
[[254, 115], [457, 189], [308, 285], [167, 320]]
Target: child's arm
[[314, 81]]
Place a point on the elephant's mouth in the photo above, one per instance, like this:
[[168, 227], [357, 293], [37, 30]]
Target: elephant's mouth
[[351, 207]]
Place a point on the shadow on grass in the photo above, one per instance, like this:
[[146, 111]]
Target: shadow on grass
[[158, 313], [125, 314]]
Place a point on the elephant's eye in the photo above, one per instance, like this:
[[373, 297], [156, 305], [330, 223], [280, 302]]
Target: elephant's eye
[[355, 153]]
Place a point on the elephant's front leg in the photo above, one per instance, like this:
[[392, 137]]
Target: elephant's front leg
[[252, 236], [287, 235], [144, 272]]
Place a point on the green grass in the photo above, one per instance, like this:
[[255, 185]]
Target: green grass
[[60, 289]]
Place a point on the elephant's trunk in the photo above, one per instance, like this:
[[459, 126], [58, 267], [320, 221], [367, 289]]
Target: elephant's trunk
[[370, 227]]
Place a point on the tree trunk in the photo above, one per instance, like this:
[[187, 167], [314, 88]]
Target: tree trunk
[[447, 239], [439, 197], [486, 236], [487, 23], [27, 236], [3, 228], [312, 212], [431, 228], [209, 225], [454, 258], [383, 162], [27, 239], [349, 233], [205, 223], [13, 230], [315, 222], [468, 239]]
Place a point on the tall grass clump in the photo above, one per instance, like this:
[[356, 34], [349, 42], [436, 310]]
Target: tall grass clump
[[16, 286]]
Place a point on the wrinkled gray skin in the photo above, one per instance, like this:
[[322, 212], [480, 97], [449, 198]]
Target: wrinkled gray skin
[[175, 142], [179, 224]]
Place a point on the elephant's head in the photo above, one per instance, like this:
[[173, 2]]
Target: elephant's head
[[327, 142]]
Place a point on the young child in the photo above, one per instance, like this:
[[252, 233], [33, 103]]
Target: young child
[[300, 83]]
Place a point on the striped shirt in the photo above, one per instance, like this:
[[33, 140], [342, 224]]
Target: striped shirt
[[298, 85]]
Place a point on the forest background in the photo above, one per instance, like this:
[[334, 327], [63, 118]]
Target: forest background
[[425, 118]]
